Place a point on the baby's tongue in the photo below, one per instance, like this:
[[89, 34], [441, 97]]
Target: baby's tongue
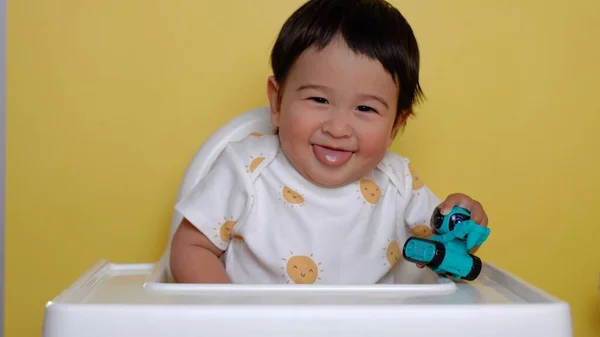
[[331, 157]]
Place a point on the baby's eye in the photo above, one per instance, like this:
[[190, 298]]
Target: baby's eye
[[319, 100], [364, 108]]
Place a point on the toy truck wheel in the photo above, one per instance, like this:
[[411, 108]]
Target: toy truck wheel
[[423, 251], [475, 268]]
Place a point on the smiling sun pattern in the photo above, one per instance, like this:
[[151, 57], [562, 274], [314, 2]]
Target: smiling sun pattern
[[292, 197], [422, 231], [370, 191], [301, 269], [392, 253], [254, 163], [225, 229], [417, 182]]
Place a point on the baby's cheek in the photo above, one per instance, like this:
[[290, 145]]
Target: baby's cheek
[[373, 146], [297, 129]]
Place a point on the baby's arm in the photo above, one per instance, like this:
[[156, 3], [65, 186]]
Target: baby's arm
[[422, 202], [194, 258], [211, 212]]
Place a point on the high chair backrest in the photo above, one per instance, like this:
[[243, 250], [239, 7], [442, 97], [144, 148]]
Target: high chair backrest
[[256, 120]]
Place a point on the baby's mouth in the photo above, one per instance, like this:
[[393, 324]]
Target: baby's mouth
[[330, 156]]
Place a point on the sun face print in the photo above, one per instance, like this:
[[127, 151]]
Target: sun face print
[[417, 182], [225, 229], [255, 161], [301, 269], [422, 231], [392, 253], [292, 197], [255, 134], [370, 191]]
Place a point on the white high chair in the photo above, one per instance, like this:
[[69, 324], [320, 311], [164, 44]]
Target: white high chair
[[140, 299], [255, 121]]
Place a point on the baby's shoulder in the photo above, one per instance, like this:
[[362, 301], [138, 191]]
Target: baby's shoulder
[[256, 145], [397, 169], [395, 165], [255, 151]]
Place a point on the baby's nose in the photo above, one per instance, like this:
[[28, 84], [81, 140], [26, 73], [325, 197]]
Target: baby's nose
[[337, 127]]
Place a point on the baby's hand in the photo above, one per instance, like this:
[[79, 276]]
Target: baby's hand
[[461, 200]]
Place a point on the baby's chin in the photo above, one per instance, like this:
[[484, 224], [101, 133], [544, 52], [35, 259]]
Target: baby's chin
[[333, 178]]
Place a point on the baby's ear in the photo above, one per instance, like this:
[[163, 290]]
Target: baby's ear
[[400, 123], [274, 96], [403, 118]]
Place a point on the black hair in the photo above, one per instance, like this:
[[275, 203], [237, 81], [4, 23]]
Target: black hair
[[369, 27]]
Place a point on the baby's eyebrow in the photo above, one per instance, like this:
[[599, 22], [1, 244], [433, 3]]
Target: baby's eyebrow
[[312, 86]]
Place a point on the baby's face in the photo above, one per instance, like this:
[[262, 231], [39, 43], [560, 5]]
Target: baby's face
[[337, 112]]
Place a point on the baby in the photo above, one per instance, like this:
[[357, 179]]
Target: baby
[[322, 200]]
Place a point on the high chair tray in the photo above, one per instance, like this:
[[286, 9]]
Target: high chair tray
[[428, 284], [134, 300]]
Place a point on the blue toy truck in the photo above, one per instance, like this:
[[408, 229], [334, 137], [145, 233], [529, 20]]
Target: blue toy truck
[[447, 251]]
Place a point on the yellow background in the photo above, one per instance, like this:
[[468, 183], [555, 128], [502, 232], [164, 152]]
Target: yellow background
[[108, 100]]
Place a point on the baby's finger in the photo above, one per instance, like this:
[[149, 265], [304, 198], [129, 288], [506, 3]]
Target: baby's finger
[[484, 222], [456, 199], [447, 204], [420, 266], [477, 212]]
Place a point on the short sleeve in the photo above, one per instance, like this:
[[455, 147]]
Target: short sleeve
[[219, 201], [420, 206]]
